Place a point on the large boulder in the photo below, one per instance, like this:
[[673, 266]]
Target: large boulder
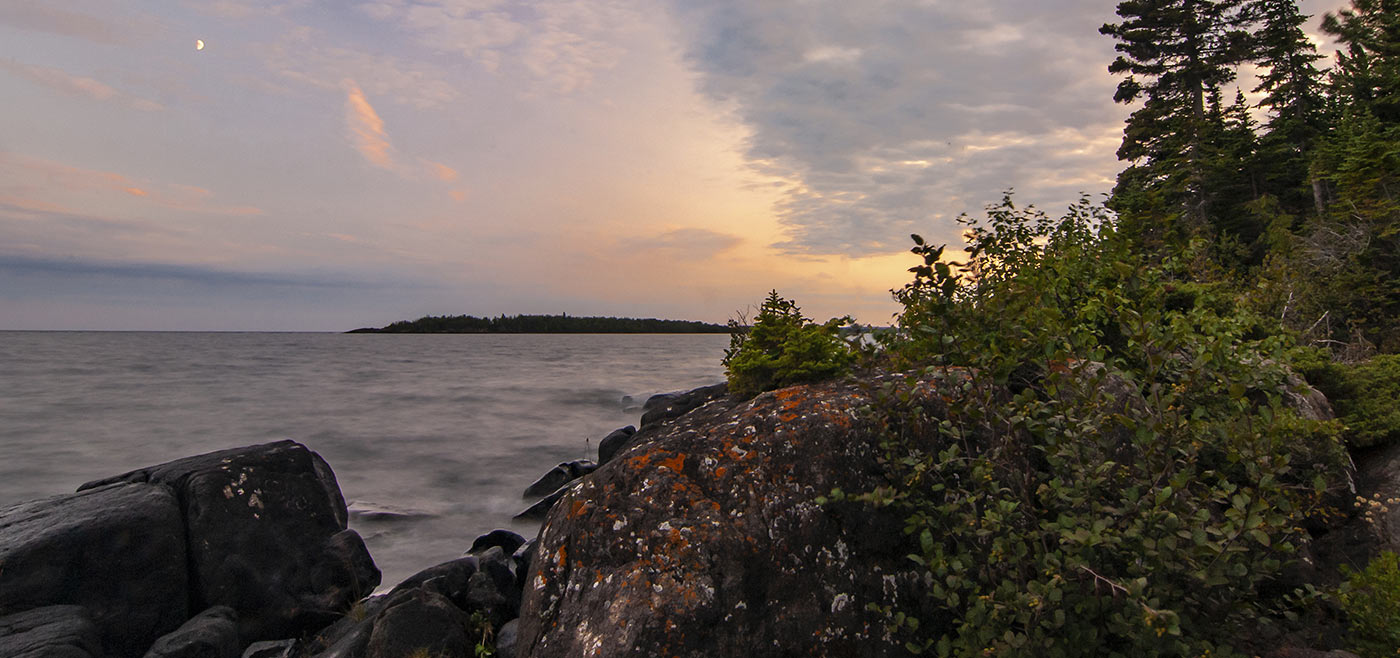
[[209, 634], [613, 442], [117, 550], [559, 476], [58, 631], [267, 536], [704, 538]]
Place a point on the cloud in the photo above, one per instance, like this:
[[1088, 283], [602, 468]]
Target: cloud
[[685, 243], [888, 122], [559, 44], [29, 175], [367, 129], [76, 85], [302, 57], [43, 16], [19, 265], [439, 170]]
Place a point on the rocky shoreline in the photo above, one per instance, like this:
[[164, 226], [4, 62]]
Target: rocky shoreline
[[696, 534]]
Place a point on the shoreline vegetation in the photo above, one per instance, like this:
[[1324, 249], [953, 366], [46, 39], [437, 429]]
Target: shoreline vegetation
[[542, 324]]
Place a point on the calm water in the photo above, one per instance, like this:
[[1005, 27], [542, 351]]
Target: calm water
[[442, 431]]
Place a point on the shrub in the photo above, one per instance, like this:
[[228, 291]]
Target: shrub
[[1371, 599], [1114, 473], [1362, 394], [784, 348]]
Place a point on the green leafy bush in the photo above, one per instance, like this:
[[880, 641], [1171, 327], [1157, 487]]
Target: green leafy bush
[[1113, 472], [1362, 394], [784, 348], [1371, 599]]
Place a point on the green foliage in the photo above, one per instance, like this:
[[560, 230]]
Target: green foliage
[[1363, 395], [1371, 599], [1114, 473], [784, 348], [479, 631]]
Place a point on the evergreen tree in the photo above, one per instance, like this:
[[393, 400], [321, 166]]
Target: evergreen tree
[[1174, 53], [1293, 94], [1368, 67]]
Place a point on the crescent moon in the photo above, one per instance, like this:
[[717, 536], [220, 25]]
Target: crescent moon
[[199, 44]]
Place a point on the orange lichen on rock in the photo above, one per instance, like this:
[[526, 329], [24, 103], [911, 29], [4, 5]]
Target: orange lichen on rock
[[675, 463]]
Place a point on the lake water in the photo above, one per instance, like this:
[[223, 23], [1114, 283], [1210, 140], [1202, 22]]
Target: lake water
[[442, 431]]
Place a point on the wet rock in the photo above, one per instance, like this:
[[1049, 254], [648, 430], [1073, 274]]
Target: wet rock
[[522, 558], [492, 590], [559, 476], [267, 536], [609, 446], [666, 406], [118, 551], [507, 541], [705, 539], [209, 634], [59, 631]]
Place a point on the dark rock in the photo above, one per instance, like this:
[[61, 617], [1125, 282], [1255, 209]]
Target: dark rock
[[666, 406], [450, 579], [541, 508], [522, 557], [506, 638], [267, 536], [508, 541], [269, 649], [492, 589], [209, 634], [609, 446], [705, 540], [57, 631], [419, 622], [559, 476], [118, 551]]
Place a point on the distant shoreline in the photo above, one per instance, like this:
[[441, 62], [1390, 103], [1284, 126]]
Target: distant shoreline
[[542, 324]]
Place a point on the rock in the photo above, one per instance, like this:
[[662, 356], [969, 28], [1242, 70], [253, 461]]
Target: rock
[[705, 539], [209, 634], [541, 508], [559, 476], [118, 551], [420, 622], [506, 638], [267, 536], [609, 446], [522, 557], [492, 589], [507, 541], [666, 406], [56, 631], [450, 579], [1309, 653], [278, 649]]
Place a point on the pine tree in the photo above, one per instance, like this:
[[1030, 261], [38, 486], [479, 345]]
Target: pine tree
[[1368, 67], [1174, 53], [1293, 93]]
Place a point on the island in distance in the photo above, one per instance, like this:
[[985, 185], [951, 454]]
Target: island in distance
[[543, 324]]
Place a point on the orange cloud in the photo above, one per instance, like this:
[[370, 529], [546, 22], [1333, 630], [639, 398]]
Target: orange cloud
[[77, 85], [366, 128], [34, 174], [441, 171]]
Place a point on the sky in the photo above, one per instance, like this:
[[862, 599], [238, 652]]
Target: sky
[[321, 165]]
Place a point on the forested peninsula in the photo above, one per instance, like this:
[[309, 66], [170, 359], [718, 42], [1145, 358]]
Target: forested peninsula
[[543, 324]]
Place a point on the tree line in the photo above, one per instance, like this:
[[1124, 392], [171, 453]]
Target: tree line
[[544, 324]]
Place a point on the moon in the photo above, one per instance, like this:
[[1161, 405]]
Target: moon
[[199, 44]]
